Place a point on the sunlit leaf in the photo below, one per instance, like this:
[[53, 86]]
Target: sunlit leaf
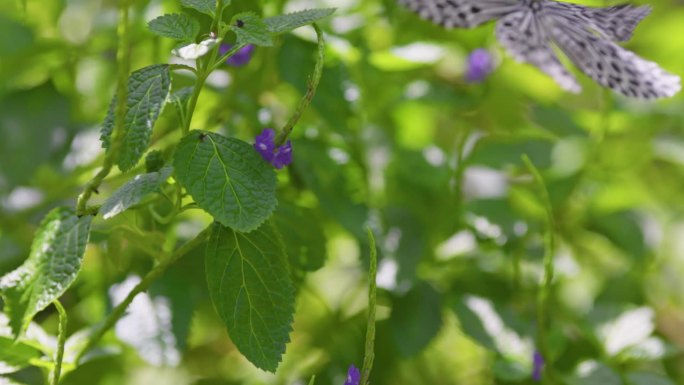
[[207, 7], [628, 329], [284, 23], [594, 373], [52, 266], [134, 191], [175, 26], [148, 89]]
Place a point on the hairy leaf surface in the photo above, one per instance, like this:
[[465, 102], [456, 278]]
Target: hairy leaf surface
[[148, 89], [252, 292], [205, 6], [227, 178], [134, 191], [285, 23], [251, 29], [52, 266]]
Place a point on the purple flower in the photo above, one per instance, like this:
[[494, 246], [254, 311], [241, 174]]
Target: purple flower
[[353, 376], [277, 156], [240, 58], [479, 65], [537, 365]]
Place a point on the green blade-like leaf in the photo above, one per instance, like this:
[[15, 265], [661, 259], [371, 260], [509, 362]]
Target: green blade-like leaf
[[179, 99], [251, 29], [227, 178], [148, 89], [285, 23], [132, 192], [302, 235], [52, 266], [15, 356], [251, 290], [207, 7], [175, 26]]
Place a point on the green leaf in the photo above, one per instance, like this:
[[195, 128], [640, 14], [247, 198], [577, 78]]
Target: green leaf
[[284, 23], [132, 192], [22, 36], [416, 319], [251, 29], [227, 178], [148, 89], [251, 290], [175, 26], [593, 373], [52, 266], [180, 99], [337, 191], [154, 161], [205, 6], [645, 378], [510, 370], [302, 235], [15, 356]]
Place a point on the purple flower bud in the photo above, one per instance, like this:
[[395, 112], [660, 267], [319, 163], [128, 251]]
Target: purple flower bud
[[240, 58], [279, 156], [479, 65], [537, 365], [353, 376]]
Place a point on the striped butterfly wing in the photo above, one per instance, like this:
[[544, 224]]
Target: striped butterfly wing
[[524, 37], [461, 13], [609, 64], [616, 23]]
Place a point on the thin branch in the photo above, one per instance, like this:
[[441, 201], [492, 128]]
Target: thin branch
[[369, 353], [310, 92], [61, 341], [123, 64], [543, 306], [143, 285]]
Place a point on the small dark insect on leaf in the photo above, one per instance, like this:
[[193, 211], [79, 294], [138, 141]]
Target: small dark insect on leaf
[[239, 23], [202, 137]]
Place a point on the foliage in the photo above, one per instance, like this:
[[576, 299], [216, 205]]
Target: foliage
[[522, 231]]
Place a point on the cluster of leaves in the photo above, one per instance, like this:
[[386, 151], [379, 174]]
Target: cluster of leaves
[[396, 136], [247, 267]]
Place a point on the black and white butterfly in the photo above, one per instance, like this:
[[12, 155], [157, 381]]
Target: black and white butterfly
[[588, 36]]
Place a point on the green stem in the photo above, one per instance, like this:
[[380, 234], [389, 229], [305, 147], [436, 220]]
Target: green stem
[[61, 341], [311, 89], [543, 304], [123, 64], [143, 285], [199, 83], [219, 62], [369, 353]]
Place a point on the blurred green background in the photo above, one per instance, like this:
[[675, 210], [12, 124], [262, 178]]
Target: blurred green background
[[396, 139]]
